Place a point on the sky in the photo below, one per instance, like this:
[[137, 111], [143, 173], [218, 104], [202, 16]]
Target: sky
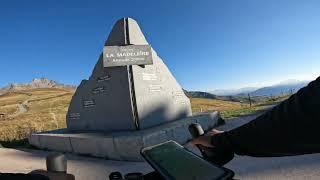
[[207, 44]]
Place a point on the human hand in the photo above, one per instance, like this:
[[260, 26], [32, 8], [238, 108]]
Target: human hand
[[206, 139], [219, 155], [213, 132]]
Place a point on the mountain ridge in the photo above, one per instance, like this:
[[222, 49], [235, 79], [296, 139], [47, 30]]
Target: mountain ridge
[[232, 92], [35, 83], [285, 87], [281, 88]]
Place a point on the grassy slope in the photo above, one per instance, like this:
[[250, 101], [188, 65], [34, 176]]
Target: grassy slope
[[46, 110], [205, 105], [227, 109]]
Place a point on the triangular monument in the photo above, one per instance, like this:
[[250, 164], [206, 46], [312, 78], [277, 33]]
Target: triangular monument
[[130, 101], [127, 96]]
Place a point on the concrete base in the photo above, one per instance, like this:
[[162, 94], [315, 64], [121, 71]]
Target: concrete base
[[124, 145]]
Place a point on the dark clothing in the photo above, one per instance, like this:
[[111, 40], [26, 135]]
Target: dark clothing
[[18, 176], [291, 128]]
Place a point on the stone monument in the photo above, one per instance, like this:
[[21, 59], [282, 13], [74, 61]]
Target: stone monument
[[130, 101], [124, 91]]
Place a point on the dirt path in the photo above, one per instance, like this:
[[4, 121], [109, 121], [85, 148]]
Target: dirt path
[[53, 115], [21, 108], [24, 106]]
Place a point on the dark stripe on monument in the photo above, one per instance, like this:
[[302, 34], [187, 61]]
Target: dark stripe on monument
[[131, 81]]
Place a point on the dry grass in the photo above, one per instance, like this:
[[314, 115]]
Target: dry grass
[[8, 109], [46, 111], [229, 109], [12, 98], [208, 105]]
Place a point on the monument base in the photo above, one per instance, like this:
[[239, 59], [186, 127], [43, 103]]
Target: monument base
[[124, 145]]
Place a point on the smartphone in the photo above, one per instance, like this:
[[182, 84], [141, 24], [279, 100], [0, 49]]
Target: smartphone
[[174, 162]]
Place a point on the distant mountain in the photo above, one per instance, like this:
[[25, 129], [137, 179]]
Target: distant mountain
[[232, 92], [206, 95], [240, 95], [199, 94], [35, 83], [285, 87]]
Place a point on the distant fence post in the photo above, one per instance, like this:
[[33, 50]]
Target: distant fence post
[[249, 97]]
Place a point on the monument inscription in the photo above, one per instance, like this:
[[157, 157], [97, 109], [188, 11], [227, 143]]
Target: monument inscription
[[98, 90], [127, 55], [103, 78], [74, 116], [88, 103]]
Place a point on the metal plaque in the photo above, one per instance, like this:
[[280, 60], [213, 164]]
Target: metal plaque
[[155, 87], [103, 78], [98, 90], [74, 115], [88, 103], [127, 55], [149, 77]]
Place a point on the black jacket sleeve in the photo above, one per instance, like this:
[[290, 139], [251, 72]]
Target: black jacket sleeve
[[291, 128]]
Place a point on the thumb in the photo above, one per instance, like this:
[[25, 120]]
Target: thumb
[[214, 132]]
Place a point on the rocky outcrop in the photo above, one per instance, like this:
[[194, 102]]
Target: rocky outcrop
[[35, 83]]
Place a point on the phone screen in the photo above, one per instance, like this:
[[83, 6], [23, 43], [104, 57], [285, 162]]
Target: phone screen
[[174, 162]]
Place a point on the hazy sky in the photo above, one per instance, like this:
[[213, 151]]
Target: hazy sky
[[207, 45]]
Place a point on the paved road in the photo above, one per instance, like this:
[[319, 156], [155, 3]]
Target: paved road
[[84, 168], [298, 167]]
